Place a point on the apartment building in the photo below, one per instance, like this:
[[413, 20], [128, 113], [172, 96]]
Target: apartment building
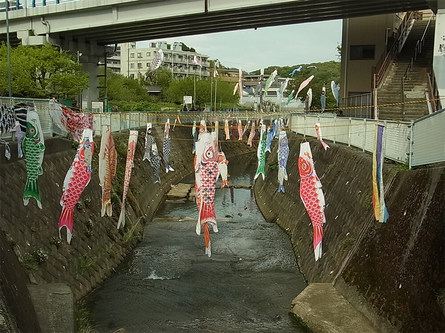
[[135, 62]]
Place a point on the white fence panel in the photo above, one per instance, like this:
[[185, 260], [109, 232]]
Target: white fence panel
[[341, 130], [359, 133], [397, 141], [429, 139]]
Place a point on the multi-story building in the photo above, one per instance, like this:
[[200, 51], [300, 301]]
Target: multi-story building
[[114, 61], [387, 65], [135, 62]]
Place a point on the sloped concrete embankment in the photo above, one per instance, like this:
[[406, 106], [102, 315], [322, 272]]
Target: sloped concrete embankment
[[393, 272], [97, 246]]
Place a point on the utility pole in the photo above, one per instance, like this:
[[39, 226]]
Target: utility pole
[[8, 47], [194, 90]]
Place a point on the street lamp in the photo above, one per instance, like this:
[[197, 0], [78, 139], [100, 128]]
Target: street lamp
[[8, 47]]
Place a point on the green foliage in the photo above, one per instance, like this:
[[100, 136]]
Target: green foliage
[[31, 260], [162, 78], [125, 89], [82, 318], [185, 87], [324, 73], [186, 48], [347, 242], [86, 265], [42, 71]]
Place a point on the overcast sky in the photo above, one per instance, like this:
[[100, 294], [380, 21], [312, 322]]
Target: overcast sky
[[281, 46]]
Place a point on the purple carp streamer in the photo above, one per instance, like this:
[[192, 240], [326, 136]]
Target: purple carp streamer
[[283, 154], [132, 141], [378, 191], [76, 179]]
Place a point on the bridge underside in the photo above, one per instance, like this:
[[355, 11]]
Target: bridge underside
[[201, 17]]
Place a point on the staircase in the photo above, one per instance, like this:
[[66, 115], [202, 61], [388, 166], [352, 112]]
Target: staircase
[[406, 100]]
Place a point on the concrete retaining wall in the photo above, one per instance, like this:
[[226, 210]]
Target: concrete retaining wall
[[367, 260], [97, 246]]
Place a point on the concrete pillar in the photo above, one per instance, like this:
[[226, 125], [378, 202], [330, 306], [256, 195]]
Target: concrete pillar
[[91, 94], [54, 304], [439, 50]]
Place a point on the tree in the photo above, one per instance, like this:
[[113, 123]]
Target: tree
[[185, 87], [324, 73], [121, 88], [41, 71], [161, 77]]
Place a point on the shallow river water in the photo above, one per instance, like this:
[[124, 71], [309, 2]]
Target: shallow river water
[[168, 284]]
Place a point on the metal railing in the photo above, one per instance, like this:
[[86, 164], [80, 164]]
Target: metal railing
[[20, 4], [386, 59], [433, 93], [358, 106], [415, 143]]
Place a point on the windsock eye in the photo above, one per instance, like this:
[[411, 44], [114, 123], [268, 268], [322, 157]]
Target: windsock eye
[[209, 153], [32, 131]]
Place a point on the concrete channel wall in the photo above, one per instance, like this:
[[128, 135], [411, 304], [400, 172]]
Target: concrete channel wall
[[97, 246], [394, 272]]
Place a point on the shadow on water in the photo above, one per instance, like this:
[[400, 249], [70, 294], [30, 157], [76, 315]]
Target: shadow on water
[[168, 284]]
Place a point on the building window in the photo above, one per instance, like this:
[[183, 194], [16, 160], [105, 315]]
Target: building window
[[132, 65], [131, 76], [148, 64], [139, 64], [362, 52], [131, 55], [139, 54], [147, 54]]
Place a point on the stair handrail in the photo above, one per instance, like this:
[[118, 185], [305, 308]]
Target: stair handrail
[[421, 41], [417, 50], [433, 92], [386, 59]]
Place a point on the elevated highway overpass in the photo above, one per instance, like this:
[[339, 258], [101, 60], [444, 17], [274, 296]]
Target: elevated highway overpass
[[87, 26], [116, 21]]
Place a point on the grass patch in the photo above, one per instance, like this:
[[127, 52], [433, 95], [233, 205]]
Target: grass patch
[[82, 319], [348, 242]]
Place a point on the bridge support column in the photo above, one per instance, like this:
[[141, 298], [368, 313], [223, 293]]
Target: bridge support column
[[88, 54], [439, 50], [91, 94]]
